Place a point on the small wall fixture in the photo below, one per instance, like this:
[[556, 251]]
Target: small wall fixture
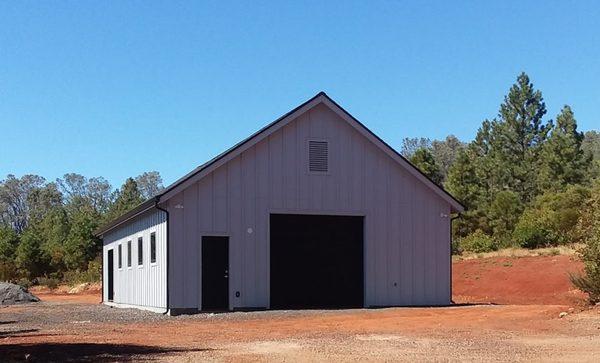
[[178, 206], [249, 230]]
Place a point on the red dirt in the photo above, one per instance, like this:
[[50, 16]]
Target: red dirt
[[87, 297], [517, 280], [532, 292], [91, 295]]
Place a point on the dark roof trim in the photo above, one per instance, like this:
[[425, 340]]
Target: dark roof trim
[[236, 146], [152, 202], [394, 151], [141, 208]]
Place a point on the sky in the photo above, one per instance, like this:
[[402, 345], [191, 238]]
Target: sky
[[116, 88]]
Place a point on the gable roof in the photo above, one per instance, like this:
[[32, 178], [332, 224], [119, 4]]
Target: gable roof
[[260, 135]]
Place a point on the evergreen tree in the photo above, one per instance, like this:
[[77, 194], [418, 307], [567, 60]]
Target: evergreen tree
[[424, 160], [464, 183], [81, 245], [9, 240], [29, 257], [516, 140], [54, 229], [128, 197], [563, 160], [504, 213], [591, 148]]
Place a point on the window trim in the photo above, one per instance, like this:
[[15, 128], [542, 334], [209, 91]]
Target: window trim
[[120, 256], [140, 239], [155, 263], [310, 172], [129, 254]]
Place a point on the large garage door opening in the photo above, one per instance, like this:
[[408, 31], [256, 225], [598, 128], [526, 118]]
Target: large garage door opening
[[316, 261]]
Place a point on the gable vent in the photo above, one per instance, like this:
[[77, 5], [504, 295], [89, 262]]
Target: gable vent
[[318, 158]]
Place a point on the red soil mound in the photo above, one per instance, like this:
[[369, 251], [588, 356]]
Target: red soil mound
[[516, 280]]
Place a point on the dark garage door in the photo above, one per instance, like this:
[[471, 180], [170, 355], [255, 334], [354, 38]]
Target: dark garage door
[[316, 261]]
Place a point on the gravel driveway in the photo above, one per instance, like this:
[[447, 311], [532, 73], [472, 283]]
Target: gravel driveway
[[59, 331]]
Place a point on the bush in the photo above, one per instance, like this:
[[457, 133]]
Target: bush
[[588, 228], [49, 282], [550, 221], [478, 242], [531, 232], [92, 274], [456, 249]]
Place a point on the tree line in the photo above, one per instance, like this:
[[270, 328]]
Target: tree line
[[47, 227], [525, 180]]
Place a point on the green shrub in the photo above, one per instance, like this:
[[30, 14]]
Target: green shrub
[[478, 242], [49, 282], [551, 219], [92, 274], [456, 248], [588, 229], [533, 232]]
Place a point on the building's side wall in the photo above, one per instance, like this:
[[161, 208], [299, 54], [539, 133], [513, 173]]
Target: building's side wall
[[144, 285], [407, 229]]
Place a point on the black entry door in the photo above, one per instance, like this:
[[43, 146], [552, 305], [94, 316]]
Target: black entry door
[[110, 275], [316, 261], [215, 273]]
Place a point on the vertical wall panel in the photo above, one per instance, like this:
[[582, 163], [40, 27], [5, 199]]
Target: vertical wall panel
[[143, 285]]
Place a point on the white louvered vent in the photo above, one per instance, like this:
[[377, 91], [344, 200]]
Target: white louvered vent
[[318, 156]]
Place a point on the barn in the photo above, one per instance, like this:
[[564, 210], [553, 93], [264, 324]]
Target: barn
[[312, 211]]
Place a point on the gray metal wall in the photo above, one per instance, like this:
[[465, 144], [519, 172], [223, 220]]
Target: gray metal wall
[[407, 229], [138, 285]]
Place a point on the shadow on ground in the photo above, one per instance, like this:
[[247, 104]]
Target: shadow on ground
[[85, 352]]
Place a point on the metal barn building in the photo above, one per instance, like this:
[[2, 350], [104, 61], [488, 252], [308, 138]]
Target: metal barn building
[[312, 211]]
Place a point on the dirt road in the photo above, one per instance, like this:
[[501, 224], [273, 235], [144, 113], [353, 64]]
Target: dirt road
[[58, 328]]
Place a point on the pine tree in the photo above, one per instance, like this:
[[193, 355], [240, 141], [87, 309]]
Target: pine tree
[[563, 160], [29, 257], [516, 139], [81, 245], [128, 197], [424, 160], [9, 240]]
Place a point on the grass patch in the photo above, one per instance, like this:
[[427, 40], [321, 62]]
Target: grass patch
[[515, 252]]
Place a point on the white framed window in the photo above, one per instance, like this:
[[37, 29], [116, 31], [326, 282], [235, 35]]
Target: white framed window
[[140, 251], [120, 256], [128, 253], [318, 156], [153, 247]]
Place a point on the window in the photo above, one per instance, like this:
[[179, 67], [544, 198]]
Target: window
[[128, 253], [318, 156], [120, 257], [153, 247], [140, 251]]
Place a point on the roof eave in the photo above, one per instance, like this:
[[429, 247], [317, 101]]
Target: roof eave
[[139, 209]]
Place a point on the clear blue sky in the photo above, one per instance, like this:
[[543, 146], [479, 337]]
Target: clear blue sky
[[115, 88]]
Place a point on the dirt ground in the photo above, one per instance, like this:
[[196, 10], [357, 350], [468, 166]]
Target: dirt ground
[[508, 310], [522, 280]]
